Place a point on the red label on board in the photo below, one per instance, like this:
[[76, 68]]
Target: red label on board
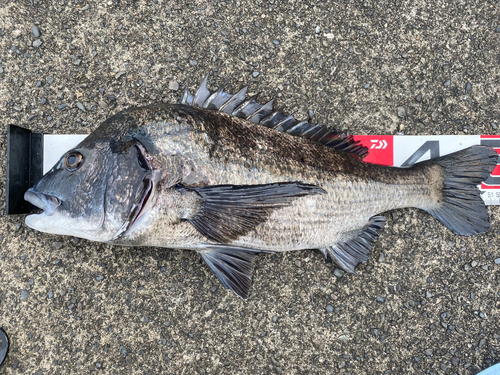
[[380, 148]]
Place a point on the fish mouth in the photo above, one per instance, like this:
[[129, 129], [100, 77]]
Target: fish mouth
[[48, 203]]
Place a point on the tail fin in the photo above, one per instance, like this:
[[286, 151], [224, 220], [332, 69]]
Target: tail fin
[[461, 208]]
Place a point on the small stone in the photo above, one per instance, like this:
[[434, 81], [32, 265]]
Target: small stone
[[50, 294], [318, 29], [100, 278], [123, 351], [447, 83], [401, 112], [310, 114], [468, 87], [1, 70], [255, 74], [49, 80], [144, 319], [329, 309], [36, 31], [418, 98], [77, 61], [380, 300], [428, 352], [434, 116], [119, 74], [367, 86], [62, 107], [193, 62], [338, 272], [275, 319], [493, 125], [173, 85], [428, 294], [276, 42], [455, 360], [497, 261], [43, 101], [80, 106], [24, 294], [57, 245], [444, 315], [473, 263], [17, 108], [98, 364], [37, 43]]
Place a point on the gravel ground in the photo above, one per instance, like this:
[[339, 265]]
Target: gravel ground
[[427, 302]]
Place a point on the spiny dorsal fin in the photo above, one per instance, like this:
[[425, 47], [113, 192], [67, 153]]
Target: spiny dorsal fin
[[240, 105]]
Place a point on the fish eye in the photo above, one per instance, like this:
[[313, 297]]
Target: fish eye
[[73, 161]]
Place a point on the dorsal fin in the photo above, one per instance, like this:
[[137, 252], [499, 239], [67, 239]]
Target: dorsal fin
[[240, 105]]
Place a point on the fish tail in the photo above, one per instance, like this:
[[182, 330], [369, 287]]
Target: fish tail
[[460, 206]]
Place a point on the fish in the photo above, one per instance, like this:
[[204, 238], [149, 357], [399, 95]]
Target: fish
[[229, 178]]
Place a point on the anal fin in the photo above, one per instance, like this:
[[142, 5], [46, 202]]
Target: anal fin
[[347, 254], [232, 265]]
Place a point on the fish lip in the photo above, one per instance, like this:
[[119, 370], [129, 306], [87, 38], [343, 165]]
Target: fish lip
[[48, 203]]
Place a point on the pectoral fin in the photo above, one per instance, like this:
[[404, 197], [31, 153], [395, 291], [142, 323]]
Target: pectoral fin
[[232, 265], [227, 212], [348, 253]]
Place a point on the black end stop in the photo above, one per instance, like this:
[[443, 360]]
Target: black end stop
[[24, 166]]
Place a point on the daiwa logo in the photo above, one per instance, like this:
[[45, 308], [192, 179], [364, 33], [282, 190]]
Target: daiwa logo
[[378, 144]]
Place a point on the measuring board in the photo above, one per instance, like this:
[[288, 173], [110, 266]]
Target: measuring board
[[31, 155]]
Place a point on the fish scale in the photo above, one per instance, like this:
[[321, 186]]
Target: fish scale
[[229, 178]]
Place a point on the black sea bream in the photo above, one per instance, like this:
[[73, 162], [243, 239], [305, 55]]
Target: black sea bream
[[228, 178]]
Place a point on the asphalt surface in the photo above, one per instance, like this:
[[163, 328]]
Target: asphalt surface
[[426, 303]]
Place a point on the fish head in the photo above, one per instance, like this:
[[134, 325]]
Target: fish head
[[95, 191]]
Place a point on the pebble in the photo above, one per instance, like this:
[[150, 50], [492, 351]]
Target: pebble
[[49, 80], [318, 29], [447, 83], [497, 261], [36, 31], [468, 87], [173, 85], [37, 43], [43, 101], [123, 351], [276, 42], [62, 107], [329, 309], [80, 106], [144, 319], [1, 70], [17, 108], [401, 112], [100, 278], [338, 272], [367, 86], [428, 352], [310, 114], [50, 294], [473, 263], [98, 364], [193, 62], [255, 74], [455, 360], [418, 98], [24, 294], [57, 245], [380, 300]]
